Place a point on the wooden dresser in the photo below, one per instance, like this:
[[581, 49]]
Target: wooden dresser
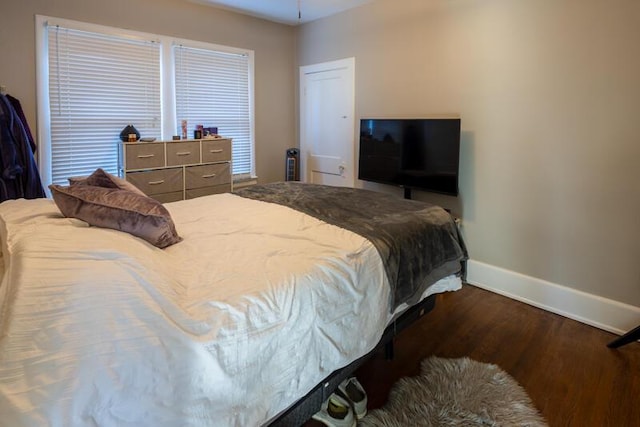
[[175, 170]]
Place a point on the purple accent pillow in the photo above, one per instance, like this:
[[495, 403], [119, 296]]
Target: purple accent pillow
[[102, 178], [118, 209]]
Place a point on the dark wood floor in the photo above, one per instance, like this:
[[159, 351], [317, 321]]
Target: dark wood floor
[[565, 366]]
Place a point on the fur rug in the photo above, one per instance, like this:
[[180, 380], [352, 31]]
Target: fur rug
[[456, 392]]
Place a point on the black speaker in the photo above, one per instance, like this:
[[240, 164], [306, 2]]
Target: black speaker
[[292, 165]]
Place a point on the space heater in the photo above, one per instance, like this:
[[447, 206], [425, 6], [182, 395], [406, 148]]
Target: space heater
[[292, 165]]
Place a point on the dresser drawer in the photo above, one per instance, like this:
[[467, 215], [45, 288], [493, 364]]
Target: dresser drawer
[[183, 153], [157, 181], [168, 197], [207, 175], [216, 150], [205, 191], [144, 155]]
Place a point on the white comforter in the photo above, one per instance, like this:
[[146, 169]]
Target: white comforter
[[227, 328]]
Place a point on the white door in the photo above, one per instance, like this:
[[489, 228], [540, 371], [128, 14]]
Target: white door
[[327, 123]]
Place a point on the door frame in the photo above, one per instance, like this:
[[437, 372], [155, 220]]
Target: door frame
[[350, 65]]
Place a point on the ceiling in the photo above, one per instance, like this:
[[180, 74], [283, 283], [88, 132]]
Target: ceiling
[[286, 11]]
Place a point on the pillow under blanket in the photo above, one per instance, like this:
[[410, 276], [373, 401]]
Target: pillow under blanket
[[118, 209]]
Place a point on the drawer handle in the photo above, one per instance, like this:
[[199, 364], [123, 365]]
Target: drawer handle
[[211, 175], [219, 150], [156, 182], [145, 156], [183, 153]]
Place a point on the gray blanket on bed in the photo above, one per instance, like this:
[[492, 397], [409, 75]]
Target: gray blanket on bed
[[419, 243]]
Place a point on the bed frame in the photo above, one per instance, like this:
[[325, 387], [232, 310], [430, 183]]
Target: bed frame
[[303, 409]]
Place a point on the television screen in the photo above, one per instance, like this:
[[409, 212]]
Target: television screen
[[411, 153]]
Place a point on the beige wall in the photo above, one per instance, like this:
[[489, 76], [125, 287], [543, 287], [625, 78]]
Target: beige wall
[[548, 92], [549, 95], [274, 46]]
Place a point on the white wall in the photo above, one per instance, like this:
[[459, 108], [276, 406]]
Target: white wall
[[549, 95]]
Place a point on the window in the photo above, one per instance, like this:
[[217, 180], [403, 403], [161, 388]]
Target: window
[[97, 85], [95, 80], [213, 87]]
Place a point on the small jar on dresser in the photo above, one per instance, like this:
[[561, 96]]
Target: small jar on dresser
[[176, 170]]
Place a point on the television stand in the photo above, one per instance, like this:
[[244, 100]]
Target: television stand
[[630, 336], [407, 193]]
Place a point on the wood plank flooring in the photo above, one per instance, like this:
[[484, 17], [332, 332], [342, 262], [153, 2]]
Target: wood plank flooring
[[565, 366]]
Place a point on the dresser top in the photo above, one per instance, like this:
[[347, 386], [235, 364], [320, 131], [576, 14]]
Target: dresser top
[[176, 141]]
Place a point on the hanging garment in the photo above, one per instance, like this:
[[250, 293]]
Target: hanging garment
[[15, 103], [19, 177]]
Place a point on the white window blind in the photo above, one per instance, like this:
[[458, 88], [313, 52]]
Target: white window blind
[[98, 84], [213, 90]]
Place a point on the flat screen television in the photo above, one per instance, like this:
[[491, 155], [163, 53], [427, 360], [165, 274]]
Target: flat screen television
[[411, 153]]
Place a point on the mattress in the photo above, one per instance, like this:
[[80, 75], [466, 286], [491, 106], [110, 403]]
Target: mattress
[[229, 327]]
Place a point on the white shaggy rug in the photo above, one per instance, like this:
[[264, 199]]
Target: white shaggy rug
[[456, 392]]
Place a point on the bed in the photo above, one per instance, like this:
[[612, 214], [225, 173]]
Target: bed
[[267, 295]]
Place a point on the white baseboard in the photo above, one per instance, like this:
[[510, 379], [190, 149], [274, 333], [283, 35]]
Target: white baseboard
[[603, 313]]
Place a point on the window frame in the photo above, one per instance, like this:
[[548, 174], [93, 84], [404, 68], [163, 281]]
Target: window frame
[[167, 84]]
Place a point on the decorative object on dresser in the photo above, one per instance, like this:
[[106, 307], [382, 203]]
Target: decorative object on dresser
[[130, 134], [169, 171]]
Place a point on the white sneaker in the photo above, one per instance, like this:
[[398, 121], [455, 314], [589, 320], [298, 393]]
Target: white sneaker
[[354, 392], [335, 412]]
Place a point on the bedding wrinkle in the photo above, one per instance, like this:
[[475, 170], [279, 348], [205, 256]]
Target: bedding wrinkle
[[396, 227], [102, 328], [283, 256]]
